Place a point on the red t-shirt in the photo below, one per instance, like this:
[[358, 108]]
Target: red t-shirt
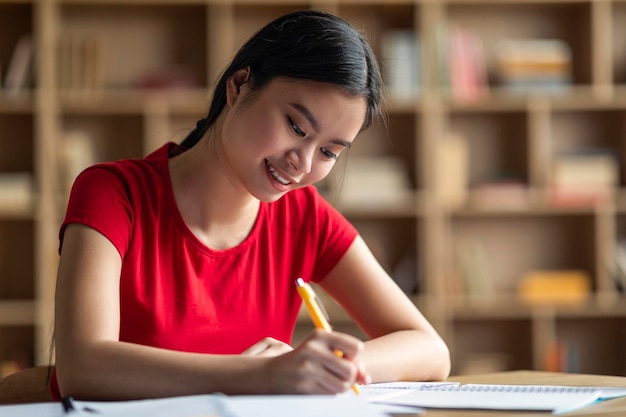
[[177, 293]]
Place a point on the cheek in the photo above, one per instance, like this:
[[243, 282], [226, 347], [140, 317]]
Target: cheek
[[320, 171], [261, 134]]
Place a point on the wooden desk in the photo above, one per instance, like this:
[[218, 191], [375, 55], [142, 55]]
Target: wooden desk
[[611, 408], [35, 381]]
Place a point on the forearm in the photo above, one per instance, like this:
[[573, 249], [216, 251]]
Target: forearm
[[408, 355], [117, 370]]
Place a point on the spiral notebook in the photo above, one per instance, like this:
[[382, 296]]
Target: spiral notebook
[[557, 399]]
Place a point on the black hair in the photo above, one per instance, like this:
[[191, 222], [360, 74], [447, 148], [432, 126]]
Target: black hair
[[310, 45]]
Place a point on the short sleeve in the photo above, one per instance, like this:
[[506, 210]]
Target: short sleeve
[[336, 235], [100, 199]]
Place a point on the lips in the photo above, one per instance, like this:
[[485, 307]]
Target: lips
[[276, 175]]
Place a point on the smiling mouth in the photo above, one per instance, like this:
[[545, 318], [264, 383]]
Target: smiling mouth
[[276, 175]]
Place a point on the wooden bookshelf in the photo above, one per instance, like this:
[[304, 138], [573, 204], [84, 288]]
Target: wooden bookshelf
[[129, 75]]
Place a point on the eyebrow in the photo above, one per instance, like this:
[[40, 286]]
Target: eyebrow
[[316, 126]]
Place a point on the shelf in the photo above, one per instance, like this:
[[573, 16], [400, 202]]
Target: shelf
[[128, 33], [17, 313], [18, 103], [582, 97], [132, 95], [16, 212], [510, 307], [531, 210], [402, 208], [569, 21], [132, 101]]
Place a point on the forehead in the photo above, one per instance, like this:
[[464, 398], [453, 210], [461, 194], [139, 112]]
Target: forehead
[[324, 100]]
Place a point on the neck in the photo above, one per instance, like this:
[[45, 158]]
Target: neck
[[220, 213]]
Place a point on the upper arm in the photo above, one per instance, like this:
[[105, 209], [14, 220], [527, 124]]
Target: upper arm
[[87, 294], [369, 295]]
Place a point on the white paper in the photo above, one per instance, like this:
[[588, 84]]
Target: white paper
[[216, 405], [183, 406], [302, 406], [385, 390], [48, 409], [501, 397]]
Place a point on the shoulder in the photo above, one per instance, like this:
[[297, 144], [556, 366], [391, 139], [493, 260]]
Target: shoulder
[[126, 173]]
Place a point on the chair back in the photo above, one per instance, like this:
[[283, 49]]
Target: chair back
[[29, 385]]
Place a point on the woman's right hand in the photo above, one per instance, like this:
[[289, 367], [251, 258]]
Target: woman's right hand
[[314, 367]]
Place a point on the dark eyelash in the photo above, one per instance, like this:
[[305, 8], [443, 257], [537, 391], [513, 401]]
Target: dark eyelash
[[296, 129], [329, 154]]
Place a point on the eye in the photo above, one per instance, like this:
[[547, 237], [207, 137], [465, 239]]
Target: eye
[[294, 127], [328, 154]]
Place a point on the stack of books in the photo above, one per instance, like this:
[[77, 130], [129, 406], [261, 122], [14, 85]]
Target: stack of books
[[584, 178], [555, 287], [373, 182], [16, 192], [534, 65]]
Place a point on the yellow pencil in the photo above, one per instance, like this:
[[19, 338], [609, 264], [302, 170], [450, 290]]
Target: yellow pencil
[[315, 312]]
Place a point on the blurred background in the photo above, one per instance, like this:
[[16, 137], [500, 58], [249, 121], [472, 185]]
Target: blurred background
[[494, 195]]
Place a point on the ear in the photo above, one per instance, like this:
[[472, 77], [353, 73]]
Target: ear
[[234, 84]]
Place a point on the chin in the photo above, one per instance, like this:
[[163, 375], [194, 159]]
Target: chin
[[269, 198]]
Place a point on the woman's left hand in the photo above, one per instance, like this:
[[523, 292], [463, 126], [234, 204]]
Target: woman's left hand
[[268, 347]]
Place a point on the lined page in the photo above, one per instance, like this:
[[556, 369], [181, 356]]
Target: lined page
[[557, 399]]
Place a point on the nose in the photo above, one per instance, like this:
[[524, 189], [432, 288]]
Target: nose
[[301, 159]]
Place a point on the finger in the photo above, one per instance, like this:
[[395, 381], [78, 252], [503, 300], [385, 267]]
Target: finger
[[319, 351], [261, 346], [268, 347], [325, 380], [277, 348], [362, 377], [256, 348], [342, 344]]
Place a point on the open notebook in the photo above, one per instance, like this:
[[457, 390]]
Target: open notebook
[[557, 399]]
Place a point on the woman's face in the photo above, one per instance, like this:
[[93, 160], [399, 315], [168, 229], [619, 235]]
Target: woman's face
[[288, 135]]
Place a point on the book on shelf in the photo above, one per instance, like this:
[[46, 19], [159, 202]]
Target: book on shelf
[[406, 272], [400, 63], [483, 363], [452, 170], [561, 356], [75, 154], [500, 194], [441, 57], [466, 63], [81, 62], [618, 270], [584, 178], [472, 265], [20, 68], [170, 77], [373, 182], [462, 71], [533, 65], [16, 192], [566, 287]]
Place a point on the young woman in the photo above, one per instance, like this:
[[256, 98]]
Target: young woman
[[177, 271]]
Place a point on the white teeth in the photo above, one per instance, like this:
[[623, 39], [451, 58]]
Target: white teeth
[[276, 174]]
